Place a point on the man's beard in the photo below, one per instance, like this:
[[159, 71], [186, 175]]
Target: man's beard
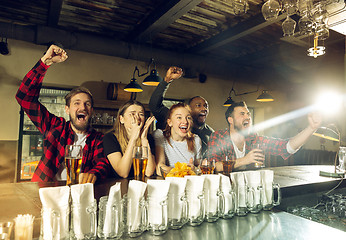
[[81, 127], [241, 130]]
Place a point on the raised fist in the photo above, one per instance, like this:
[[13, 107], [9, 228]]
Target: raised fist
[[54, 54]]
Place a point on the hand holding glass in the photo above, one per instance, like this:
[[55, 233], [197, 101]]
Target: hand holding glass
[[259, 148], [73, 162]]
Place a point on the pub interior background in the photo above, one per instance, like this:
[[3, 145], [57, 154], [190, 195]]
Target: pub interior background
[[97, 70]]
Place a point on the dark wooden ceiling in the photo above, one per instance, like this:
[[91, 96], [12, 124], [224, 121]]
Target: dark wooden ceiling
[[208, 29]]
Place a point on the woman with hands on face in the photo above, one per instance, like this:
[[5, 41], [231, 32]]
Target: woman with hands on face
[[130, 130]]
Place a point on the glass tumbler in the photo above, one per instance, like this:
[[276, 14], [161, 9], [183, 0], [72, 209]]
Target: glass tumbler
[[115, 228], [135, 216], [55, 223], [157, 215], [83, 221], [178, 208]]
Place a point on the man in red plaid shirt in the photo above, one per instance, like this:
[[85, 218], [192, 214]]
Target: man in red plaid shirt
[[56, 131], [239, 143]]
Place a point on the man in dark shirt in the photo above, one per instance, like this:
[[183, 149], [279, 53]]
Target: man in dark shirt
[[241, 144], [56, 131], [199, 108]]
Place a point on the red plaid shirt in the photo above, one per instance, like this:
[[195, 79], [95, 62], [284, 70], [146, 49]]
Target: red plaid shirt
[[57, 132], [220, 145]]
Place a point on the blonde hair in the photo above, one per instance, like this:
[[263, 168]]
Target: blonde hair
[[119, 129], [167, 131]]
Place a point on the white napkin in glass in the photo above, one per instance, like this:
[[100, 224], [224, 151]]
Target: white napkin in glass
[[194, 188], [267, 178], [157, 192], [82, 198], [238, 180], [113, 198], [226, 188], [135, 193], [253, 180], [176, 191], [211, 187], [55, 199]]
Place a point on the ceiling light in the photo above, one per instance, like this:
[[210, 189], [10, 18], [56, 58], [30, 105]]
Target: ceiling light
[[153, 79], [265, 97], [133, 86], [228, 102]]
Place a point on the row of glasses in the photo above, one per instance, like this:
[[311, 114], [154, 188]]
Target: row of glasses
[[254, 191]]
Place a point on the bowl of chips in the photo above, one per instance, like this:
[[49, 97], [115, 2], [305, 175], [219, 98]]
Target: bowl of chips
[[180, 170]]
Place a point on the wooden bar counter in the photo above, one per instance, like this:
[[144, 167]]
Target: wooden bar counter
[[23, 198]]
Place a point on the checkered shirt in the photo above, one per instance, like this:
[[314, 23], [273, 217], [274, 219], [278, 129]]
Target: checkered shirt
[[220, 145], [57, 132]]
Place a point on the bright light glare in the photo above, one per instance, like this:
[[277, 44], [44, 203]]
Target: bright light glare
[[329, 102]]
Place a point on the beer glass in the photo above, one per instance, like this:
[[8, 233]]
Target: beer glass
[[260, 149], [55, 223], [241, 193], [207, 166], [214, 201], [228, 164], [140, 161], [73, 163], [135, 216], [83, 221], [114, 229], [254, 191], [157, 215], [269, 188]]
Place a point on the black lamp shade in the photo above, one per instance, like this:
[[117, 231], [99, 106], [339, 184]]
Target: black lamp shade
[[265, 97], [133, 86], [153, 79], [228, 102]]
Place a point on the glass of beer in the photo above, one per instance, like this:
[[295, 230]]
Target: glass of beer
[[207, 166], [260, 150], [140, 161], [228, 164], [73, 163]]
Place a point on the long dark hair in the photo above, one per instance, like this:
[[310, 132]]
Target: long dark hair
[[167, 131], [118, 128]]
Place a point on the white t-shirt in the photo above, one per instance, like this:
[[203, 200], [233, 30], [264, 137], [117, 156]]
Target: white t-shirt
[[177, 151]]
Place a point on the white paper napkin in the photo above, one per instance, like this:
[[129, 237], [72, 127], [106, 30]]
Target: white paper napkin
[[82, 198], [176, 191], [135, 193], [114, 197], [240, 188], [253, 180], [55, 199], [194, 188], [211, 187], [267, 178], [157, 192]]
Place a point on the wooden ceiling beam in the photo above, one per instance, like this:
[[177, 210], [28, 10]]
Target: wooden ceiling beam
[[54, 12], [161, 18], [240, 30]]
